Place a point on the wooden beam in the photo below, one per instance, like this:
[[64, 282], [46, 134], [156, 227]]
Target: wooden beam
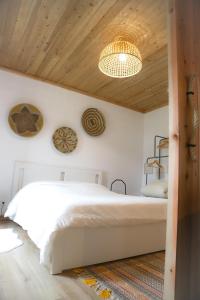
[[182, 271]]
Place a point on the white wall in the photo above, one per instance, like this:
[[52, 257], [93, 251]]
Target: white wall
[[155, 123], [118, 152]]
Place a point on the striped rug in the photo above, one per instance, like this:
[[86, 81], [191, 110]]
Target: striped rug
[[137, 278]]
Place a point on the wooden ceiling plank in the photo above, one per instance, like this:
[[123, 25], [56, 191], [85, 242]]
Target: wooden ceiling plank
[[71, 35], [154, 107], [60, 41], [159, 101], [52, 18], [82, 55], [23, 16], [152, 82], [3, 20], [23, 34], [88, 51], [134, 88], [146, 99], [152, 97], [60, 37], [96, 24], [109, 84], [10, 19], [44, 14], [97, 82]]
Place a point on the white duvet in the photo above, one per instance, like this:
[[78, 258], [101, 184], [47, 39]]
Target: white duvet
[[43, 208]]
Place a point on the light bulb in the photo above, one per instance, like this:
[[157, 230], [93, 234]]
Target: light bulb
[[122, 57]]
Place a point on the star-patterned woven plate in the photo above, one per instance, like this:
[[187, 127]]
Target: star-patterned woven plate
[[25, 120]]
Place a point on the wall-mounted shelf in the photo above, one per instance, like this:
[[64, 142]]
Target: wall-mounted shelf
[[160, 142]]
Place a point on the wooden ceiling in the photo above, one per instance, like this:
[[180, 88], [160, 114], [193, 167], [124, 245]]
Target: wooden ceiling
[[60, 41]]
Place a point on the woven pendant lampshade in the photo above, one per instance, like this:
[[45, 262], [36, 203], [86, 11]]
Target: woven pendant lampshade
[[120, 59]]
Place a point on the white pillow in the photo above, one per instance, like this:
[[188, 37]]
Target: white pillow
[[157, 189]]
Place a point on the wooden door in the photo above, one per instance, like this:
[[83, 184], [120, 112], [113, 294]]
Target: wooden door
[[182, 269]]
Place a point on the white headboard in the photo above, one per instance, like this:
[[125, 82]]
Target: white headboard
[[27, 172]]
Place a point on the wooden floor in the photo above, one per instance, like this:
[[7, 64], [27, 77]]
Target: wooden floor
[[23, 278]]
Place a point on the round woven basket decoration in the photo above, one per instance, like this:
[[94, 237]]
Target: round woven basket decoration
[[93, 122], [65, 139], [25, 120]]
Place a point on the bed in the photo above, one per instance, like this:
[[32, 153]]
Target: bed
[[78, 223]]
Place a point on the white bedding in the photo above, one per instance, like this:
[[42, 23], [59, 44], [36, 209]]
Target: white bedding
[[44, 208]]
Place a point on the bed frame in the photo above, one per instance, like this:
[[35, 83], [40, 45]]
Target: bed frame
[[76, 247]]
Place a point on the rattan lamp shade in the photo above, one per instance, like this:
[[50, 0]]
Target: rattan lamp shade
[[120, 59]]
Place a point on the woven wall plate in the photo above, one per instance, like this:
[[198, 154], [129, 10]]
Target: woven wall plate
[[25, 120], [65, 139], [93, 122]]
